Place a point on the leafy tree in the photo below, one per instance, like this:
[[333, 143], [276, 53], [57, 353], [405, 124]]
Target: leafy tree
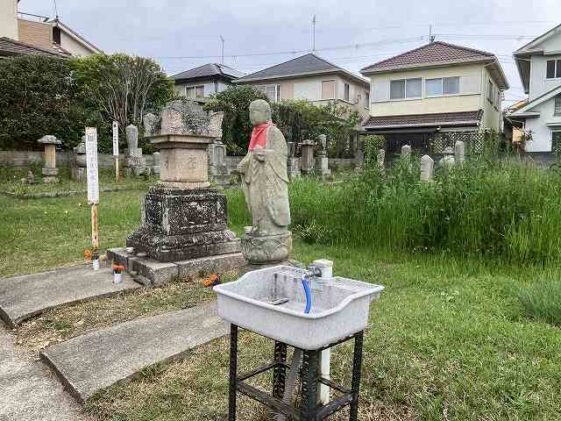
[[122, 87], [236, 127], [298, 120], [38, 96]]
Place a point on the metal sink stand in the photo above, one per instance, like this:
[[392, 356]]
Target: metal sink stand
[[310, 409]]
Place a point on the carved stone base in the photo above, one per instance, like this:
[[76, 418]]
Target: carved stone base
[[181, 224], [266, 249]]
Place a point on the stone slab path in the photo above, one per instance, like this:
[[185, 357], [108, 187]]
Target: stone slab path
[[23, 297], [29, 391], [96, 360]]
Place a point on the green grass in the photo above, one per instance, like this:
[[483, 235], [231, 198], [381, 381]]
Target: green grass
[[10, 181], [542, 300], [449, 338]]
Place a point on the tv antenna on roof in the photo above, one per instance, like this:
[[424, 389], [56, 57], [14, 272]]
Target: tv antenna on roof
[[56, 9], [314, 34], [431, 36], [222, 53]]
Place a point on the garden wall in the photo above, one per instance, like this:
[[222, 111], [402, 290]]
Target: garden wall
[[63, 159]]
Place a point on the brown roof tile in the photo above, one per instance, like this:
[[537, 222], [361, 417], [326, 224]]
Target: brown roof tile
[[467, 118], [10, 47], [434, 53]]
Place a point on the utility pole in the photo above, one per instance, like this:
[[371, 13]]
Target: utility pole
[[222, 54], [314, 34], [431, 36]]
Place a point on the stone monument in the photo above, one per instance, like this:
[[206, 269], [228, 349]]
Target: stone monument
[[183, 218], [134, 162], [380, 158], [50, 171], [322, 161], [307, 156], [427, 168], [156, 165], [459, 152], [448, 159], [79, 161], [265, 185], [406, 152], [293, 161], [217, 163]]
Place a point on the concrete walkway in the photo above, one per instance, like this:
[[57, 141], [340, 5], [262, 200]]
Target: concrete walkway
[[28, 390], [23, 297], [96, 360]]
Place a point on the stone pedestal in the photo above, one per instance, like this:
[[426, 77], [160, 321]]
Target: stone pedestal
[[307, 160], [182, 217], [50, 171], [156, 166], [259, 250], [181, 224]]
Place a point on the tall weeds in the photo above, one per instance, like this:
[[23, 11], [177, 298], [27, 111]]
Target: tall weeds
[[506, 209]]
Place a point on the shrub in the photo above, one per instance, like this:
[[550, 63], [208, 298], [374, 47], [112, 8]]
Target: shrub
[[38, 96], [236, 127], [543, 301]]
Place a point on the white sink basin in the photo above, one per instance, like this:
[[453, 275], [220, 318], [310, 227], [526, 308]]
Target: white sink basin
[[271, 302]]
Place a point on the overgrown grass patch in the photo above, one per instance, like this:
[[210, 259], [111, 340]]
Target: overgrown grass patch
[[542, 300]]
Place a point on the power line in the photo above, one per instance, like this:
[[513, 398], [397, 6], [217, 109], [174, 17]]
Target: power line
[[288, 52]]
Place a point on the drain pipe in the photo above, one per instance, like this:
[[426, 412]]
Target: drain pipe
[[326, 268]]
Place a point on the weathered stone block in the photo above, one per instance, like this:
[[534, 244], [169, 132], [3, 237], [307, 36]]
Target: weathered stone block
[[212, 264], [184, 224]]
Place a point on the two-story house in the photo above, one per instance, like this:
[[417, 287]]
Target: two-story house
[[313, 79], [539, 65], [199, 83], [434, 88], [22, 33]]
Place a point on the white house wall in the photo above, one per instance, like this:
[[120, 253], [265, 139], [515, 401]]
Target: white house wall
[[538, 82], [541, 132], [74, 47]]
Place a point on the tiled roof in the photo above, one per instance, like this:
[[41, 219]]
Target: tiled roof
[[10, 47], [209, 70], [467, 118], [434, 53], [307, 64]]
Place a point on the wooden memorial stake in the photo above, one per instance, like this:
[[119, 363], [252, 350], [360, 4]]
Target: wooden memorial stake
[[116, 149], [93, 183]]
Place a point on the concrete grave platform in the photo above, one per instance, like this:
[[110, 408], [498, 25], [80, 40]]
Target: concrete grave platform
[[150, 271], [23, 297], [94, 361]]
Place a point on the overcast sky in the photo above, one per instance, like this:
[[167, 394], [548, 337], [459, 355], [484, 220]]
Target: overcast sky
[[353, 33]]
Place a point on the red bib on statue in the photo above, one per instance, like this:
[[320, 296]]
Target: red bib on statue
[[259, 135]]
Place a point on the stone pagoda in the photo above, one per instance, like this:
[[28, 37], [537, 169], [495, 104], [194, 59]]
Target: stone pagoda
[[182, 216]]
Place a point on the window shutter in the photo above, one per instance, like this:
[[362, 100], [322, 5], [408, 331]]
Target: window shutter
[[557, 110]]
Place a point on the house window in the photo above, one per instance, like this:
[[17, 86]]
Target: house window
[[272, 91], [442, 86], [490, 91], [557, 108], [347, 92], [367, 99], [327, 89], [553, 69], [556, 141], [193, 92], [405, 88]]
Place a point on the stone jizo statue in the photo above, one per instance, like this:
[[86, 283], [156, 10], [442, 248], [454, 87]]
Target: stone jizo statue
[[265, 185]]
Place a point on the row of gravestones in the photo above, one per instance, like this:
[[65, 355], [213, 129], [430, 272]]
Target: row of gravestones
[[135, 162], [451, 157], [307, 163]]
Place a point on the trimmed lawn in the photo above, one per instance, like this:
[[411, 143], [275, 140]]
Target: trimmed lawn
[[448, 338]]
